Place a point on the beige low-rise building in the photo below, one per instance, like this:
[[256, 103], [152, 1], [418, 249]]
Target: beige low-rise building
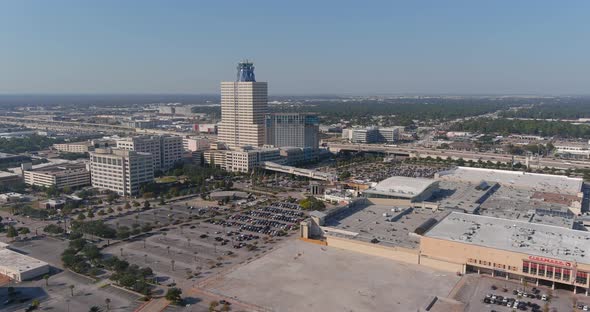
[[74, 147], [19, 267], [59, 176]]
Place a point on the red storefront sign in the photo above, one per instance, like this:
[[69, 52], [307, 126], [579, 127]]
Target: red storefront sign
[[550, 261]]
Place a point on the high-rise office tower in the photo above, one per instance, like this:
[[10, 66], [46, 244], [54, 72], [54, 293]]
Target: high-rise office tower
[[292, 129], [244, 103]]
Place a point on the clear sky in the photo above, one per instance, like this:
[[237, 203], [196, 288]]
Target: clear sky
[[299, 47]]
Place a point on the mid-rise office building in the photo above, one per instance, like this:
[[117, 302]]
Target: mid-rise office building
[[170, 151], [165, 150], [292, 129], [121, 171], [244, 104], [246, 159]]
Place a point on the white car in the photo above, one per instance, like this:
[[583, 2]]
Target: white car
[[515, 305], [585, 308], [544, 297]]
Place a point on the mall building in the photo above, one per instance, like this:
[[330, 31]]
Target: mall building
[[511, 249]]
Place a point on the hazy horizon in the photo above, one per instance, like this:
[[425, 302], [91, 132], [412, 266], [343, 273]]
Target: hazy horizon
[[301, 48]]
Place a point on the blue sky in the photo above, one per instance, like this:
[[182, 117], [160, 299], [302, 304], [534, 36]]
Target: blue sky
[[299, 47]]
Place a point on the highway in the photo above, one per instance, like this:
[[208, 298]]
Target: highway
[[466, 155]]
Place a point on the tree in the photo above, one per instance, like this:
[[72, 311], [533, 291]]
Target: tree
[[146, 204], [11, 232], [81, 217], [72, 290], [213, 305], [174, 295], [94, 309], [35, 303], [24, 230], [90, 214], [107, 301], [345, 175], [46, 278]]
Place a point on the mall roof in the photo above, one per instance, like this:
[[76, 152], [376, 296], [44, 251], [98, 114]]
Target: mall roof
[[515, 236], [535, 181], [19, 262], [401, 186]]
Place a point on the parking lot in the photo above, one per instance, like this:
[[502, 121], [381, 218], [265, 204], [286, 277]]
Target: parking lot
[[57, 295], [476, 289], [320, 278], [184, 251]]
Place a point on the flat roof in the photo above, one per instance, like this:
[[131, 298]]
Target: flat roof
[[61, 169], [4, 174], [514, 235], [18, 262], [391, 225], [535, 181], [401, 186]]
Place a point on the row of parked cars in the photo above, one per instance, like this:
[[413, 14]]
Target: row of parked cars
[[511, 303]]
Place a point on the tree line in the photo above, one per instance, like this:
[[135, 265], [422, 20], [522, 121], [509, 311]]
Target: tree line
[[531, 127]]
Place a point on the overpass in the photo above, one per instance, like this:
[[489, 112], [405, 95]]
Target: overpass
[[69, 126], [421, 152], [312, 174]]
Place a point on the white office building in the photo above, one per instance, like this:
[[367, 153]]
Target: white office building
[[165, 150], [119, 170]]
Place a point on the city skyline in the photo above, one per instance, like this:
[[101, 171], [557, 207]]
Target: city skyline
[[384, 48]]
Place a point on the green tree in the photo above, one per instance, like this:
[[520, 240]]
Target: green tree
[[11, 232], [81, 217], [174, 295], [72, 290], [24, 230], [46, 278]]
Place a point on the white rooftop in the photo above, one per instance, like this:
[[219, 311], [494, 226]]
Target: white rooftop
[[535, 181], [401, 186], [516, 236], [19, 262]]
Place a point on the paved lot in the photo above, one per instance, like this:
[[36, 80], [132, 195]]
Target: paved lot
[[57, 296], [47, 249], [476, 288], [309, 277], [204, 249]]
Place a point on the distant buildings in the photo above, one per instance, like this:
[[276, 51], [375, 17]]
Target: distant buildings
[[195, 144], [576, 150], [244, 104], [121, 171], [76, 147], [372, 135], [176, 109], [83, 147]]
